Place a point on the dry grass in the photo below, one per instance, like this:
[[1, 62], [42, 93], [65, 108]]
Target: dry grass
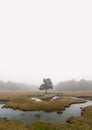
[[25, 104], [14, 125], [22, 101], [78, 93], [9, 95]]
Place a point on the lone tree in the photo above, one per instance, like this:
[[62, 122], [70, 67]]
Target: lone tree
[[47, 84]]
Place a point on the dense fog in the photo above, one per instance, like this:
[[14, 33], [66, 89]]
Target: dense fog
[[12, 86]]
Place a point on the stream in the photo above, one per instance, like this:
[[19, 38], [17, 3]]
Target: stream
[[32, 116]]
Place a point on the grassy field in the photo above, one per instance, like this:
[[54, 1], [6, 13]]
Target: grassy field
[[11, 95], [78, 93]]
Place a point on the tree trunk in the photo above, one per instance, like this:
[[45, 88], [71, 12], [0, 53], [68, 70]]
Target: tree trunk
[[46, 91]]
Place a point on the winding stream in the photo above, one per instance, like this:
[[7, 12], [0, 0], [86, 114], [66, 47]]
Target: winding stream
[[31, 116]]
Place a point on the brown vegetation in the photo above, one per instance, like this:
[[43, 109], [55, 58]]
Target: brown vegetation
[[23, 101]]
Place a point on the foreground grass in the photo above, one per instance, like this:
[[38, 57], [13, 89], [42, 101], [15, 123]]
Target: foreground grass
[[13, 125], [81, 123]]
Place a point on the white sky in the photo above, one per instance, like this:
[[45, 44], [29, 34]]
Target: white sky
[[45, 38]]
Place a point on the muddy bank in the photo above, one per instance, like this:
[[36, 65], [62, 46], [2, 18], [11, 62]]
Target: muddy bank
[[3, 101]]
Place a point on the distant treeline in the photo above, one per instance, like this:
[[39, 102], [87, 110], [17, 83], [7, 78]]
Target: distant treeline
[[72, 85], [12, 86]]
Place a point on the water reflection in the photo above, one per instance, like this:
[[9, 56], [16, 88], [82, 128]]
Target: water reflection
[[31, 116]]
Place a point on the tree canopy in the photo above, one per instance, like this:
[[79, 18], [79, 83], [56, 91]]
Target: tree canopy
[[47, 84]]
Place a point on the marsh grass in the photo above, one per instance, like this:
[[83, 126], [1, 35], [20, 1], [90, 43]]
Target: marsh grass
[[26, 104], [14, 125], [78, 93]]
